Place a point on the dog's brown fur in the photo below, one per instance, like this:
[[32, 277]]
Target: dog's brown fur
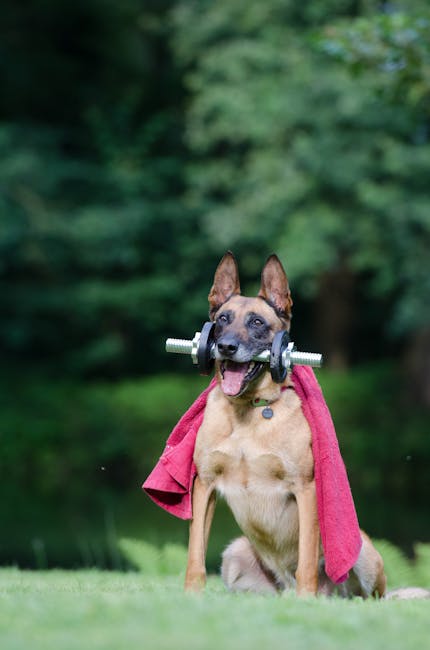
[[263, 467]]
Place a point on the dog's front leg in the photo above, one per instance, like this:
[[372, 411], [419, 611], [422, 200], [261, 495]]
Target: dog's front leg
[[203, 500], [307, 568]]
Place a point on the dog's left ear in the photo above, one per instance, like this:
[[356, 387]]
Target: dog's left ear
[[226, 283], [274, 287]]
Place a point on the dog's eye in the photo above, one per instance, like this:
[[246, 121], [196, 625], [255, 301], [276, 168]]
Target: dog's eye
[[257, 322], [223, 318]]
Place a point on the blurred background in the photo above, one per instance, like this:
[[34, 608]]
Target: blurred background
[[141, 139]]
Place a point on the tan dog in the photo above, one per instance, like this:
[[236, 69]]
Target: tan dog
[[264, 468]]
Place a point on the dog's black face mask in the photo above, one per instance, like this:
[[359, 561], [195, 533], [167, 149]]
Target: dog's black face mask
[[240, 334], [244, 327]]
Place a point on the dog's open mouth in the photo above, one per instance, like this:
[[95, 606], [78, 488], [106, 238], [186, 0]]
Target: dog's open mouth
[[236, 376]]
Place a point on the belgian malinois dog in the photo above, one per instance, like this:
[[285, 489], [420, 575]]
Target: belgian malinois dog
[[264, 468]]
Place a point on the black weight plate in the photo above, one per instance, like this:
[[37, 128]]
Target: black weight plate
[[204, 359], [277, 369]]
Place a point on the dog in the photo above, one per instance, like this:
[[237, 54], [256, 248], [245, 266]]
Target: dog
[[264, 468]]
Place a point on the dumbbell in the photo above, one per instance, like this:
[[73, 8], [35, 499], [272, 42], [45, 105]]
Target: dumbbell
[[281, 356]]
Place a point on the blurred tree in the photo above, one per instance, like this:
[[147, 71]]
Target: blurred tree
[[91, 286], [394, 47], [291, 150], [97, 251], [306, 133], [285, 150]]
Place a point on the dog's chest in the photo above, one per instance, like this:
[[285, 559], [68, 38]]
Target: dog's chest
[[254, 454]]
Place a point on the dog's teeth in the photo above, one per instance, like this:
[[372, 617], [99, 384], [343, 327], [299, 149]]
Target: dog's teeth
[[251, 366]]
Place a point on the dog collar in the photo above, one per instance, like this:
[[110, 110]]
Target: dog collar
[[258, 401], [267, 412]]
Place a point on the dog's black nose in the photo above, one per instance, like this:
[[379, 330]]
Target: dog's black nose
[[227, 346]]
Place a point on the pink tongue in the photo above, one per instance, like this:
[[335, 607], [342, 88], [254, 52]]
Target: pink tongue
[[233, 377]]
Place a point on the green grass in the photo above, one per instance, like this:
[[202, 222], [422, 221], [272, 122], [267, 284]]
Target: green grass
[[95, 609]]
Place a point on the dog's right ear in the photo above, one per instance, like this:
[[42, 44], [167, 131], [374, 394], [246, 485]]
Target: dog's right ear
[[274, 288], [226, 283]]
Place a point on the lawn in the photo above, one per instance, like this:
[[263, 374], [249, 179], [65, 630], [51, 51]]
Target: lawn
[[91, 609]]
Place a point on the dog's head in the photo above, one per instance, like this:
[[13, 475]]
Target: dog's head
[[245, 326]]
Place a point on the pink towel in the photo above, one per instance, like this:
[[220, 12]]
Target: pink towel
[[171, 480], [340, 533]]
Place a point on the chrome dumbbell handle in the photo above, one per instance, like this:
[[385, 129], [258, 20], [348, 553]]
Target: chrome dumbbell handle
[[314, 359], [290, 356], [184, 346]]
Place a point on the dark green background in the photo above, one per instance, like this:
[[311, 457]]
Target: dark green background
[[138, 141]]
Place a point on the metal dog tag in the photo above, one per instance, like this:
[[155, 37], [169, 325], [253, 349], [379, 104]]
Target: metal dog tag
[[267, 413]]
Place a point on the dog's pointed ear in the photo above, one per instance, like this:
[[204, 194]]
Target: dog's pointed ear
[[226, 283], [274, 287]]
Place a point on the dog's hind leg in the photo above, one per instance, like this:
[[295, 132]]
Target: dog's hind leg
[[242, 570], [369, 571]]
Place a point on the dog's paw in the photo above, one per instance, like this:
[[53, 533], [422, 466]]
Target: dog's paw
[[195, 582]]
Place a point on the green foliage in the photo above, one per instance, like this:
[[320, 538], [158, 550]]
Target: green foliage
[[175, 130], [171, 559], [82, 452], [74, 458], [384, 444], [422, 564], [394, 45], [138, 140], [89, 277], [54, 431], [290, 148], [402, 571], [97, 249]]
